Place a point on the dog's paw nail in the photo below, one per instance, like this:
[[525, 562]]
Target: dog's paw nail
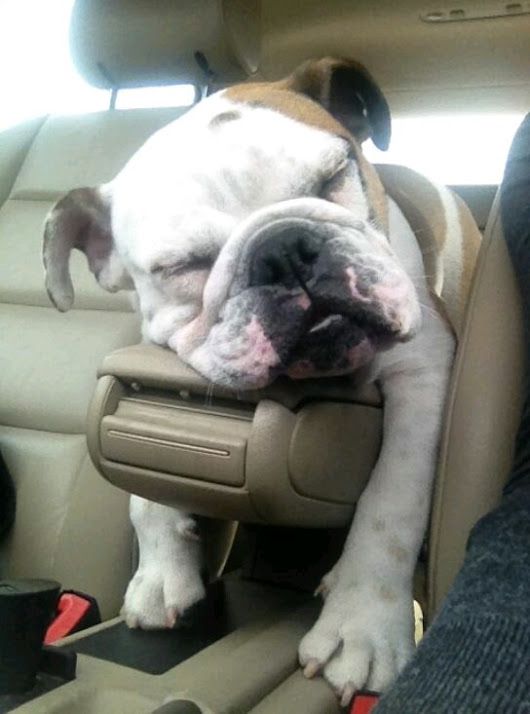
[[311, 668], [171, 616], [191, 534], [132, 622], [347, 694], [188, 530], [321, 590]]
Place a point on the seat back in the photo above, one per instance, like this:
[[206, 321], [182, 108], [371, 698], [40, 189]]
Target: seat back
[[483, 411], [70, 524]]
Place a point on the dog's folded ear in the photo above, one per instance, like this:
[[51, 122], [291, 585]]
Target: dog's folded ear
[[81, 219], [348, 91]]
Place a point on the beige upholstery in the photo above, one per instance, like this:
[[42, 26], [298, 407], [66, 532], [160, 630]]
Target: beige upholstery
[[482, 414], [71, 525]]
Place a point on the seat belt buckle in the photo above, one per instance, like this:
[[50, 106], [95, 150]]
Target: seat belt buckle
[[75, 611], [363, 702]]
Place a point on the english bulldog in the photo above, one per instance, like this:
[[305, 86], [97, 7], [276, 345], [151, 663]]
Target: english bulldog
[[260, 242]]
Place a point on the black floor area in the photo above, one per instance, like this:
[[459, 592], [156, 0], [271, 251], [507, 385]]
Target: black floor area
[[45, 683], [231, 603]]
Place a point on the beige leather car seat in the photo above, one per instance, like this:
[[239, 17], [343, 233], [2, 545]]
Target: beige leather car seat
[[483, 411], [70, 525]]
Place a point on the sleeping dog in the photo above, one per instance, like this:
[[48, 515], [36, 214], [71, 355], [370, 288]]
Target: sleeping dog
[[260, 242]]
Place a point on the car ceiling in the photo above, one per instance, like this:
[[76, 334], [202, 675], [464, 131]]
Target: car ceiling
[[422, 66], [463, 64]]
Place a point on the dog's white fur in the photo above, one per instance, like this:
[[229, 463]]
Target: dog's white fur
[[368, 605], [168, 578], [221, 175], [219, 182]]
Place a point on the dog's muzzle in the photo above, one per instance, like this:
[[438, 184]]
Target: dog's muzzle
[[301, 288]]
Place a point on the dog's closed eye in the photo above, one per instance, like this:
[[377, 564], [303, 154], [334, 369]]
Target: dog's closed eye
[[174, 268]]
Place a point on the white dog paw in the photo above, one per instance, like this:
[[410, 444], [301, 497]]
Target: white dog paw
[[362, 639], [157, 597], [328, 582]]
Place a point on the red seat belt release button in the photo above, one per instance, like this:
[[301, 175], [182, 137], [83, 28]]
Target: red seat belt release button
[[71, 609], [364, 702]]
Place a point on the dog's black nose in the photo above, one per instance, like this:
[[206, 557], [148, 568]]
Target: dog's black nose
[[284, 258]]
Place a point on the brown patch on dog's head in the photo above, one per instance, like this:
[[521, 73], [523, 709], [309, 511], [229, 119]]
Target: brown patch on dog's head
[[349, 93], [335, 95], [285, 99]]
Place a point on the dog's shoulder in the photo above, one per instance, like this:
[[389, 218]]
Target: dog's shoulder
[[446, 232]]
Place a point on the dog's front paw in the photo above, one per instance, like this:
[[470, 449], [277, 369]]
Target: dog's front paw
[[157, 597], [362, 639], [328, 582]]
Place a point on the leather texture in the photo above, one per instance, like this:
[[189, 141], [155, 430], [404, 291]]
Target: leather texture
[[483, 412], [71, 525]]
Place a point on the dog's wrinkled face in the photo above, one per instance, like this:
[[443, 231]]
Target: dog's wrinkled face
[[301, 288], [250, 234]]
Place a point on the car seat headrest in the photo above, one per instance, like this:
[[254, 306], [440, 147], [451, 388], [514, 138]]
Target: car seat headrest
[[144, 43]]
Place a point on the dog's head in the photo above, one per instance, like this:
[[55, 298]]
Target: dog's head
[[253, 231]]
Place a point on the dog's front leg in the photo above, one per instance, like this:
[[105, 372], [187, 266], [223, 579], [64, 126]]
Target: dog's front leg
[[364, 634], [168, 579]]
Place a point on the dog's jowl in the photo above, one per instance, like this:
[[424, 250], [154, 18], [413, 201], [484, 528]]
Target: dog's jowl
[[260, 242]]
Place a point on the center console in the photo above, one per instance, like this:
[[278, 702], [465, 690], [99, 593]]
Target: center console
[[296, 453], [236, 652]]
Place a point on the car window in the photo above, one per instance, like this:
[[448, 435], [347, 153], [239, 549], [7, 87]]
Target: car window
[[451, 149]]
